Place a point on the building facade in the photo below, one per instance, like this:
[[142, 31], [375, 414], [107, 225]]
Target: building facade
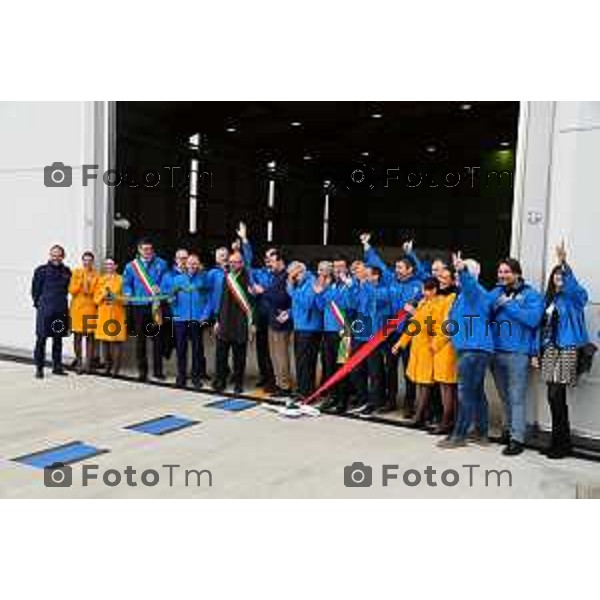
[[556, 195]]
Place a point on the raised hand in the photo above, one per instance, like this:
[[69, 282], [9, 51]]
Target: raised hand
[[561, 252], [408, 246], [242, 231], [365, 239], [458, 262]]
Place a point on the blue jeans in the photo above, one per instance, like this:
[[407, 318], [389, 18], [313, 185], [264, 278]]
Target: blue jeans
[[510, 370], [472, 403]]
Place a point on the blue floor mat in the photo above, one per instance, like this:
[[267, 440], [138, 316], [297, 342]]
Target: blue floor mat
[[66, 454], [231, 404], [162, 425]]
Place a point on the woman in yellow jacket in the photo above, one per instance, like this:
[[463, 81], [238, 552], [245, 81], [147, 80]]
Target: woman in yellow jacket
[[420, 369], [445, 369], [111, 329], [83, 312]]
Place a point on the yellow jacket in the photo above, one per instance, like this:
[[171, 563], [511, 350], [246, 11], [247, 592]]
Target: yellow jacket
[[445, 369], [82, 287], [110, 311], [420, 363]]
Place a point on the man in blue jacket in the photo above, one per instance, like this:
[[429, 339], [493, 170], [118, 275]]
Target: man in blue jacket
[[474, 347], [405, 290], [167, 329], [517, 311], [191, 310], [142, 278], [308, 323]]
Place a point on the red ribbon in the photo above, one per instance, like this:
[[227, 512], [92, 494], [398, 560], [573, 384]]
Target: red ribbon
[[361, 354]]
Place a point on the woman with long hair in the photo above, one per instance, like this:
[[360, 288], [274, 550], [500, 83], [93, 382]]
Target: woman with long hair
[[563, 332]]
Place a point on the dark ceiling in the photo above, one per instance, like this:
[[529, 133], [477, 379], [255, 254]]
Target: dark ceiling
[[331, 134]]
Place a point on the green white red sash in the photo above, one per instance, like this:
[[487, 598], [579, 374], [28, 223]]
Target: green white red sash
[[143, 275], [344, 346], [148, 285], [239, 295]]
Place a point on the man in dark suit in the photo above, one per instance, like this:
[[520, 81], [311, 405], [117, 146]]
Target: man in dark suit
[[49, 292], [235, 324]]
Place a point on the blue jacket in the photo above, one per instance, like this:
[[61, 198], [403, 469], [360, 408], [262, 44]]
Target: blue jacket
[[305, 312], [570, 303], [372, 259], [364, 303], [340, 294], [472, 311], [515, 322], [277, 300], [192, 296], [132, 286]]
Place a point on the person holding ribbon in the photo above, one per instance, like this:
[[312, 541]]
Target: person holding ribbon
[[167, 330], [111, 329], [83, 311], [191, 310], [235, 324], [142, 278], [405, 291]]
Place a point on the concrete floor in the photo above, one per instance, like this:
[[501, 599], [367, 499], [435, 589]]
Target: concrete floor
[[252, 454]]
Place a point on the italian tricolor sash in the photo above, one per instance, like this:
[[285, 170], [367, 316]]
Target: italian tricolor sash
[[148, 285], [344, 347], [240, 296], [143, 276]]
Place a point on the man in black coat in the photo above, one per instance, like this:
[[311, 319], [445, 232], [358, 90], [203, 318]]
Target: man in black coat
[[234, 324], [49, 292]]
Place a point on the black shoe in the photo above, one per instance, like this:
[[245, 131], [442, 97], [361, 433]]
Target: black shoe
[[386, 408], [143, 377], [282, 393], [556, 453], [39, 373], [513, 448], [262, 382], [59, 371], [180, 383], [238, 389], [159, 376], [197, 384]]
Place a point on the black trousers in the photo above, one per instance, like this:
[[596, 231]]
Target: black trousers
[[39, 354], [263, 354], [306, 353], [142, 325], [184, 332], [330, 345], [368, 378], [559, 409], [238, 349], [391, 374]]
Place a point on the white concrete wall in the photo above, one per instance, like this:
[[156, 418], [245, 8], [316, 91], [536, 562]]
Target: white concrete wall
[[558, 197], [33, 135]]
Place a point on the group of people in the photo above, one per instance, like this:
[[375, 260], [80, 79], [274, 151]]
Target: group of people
[[452, 330]]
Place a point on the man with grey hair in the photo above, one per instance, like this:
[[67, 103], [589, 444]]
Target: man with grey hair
[[474, 346], [308, 324]]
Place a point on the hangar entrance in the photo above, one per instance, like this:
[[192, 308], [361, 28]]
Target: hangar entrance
[[310, 176]]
